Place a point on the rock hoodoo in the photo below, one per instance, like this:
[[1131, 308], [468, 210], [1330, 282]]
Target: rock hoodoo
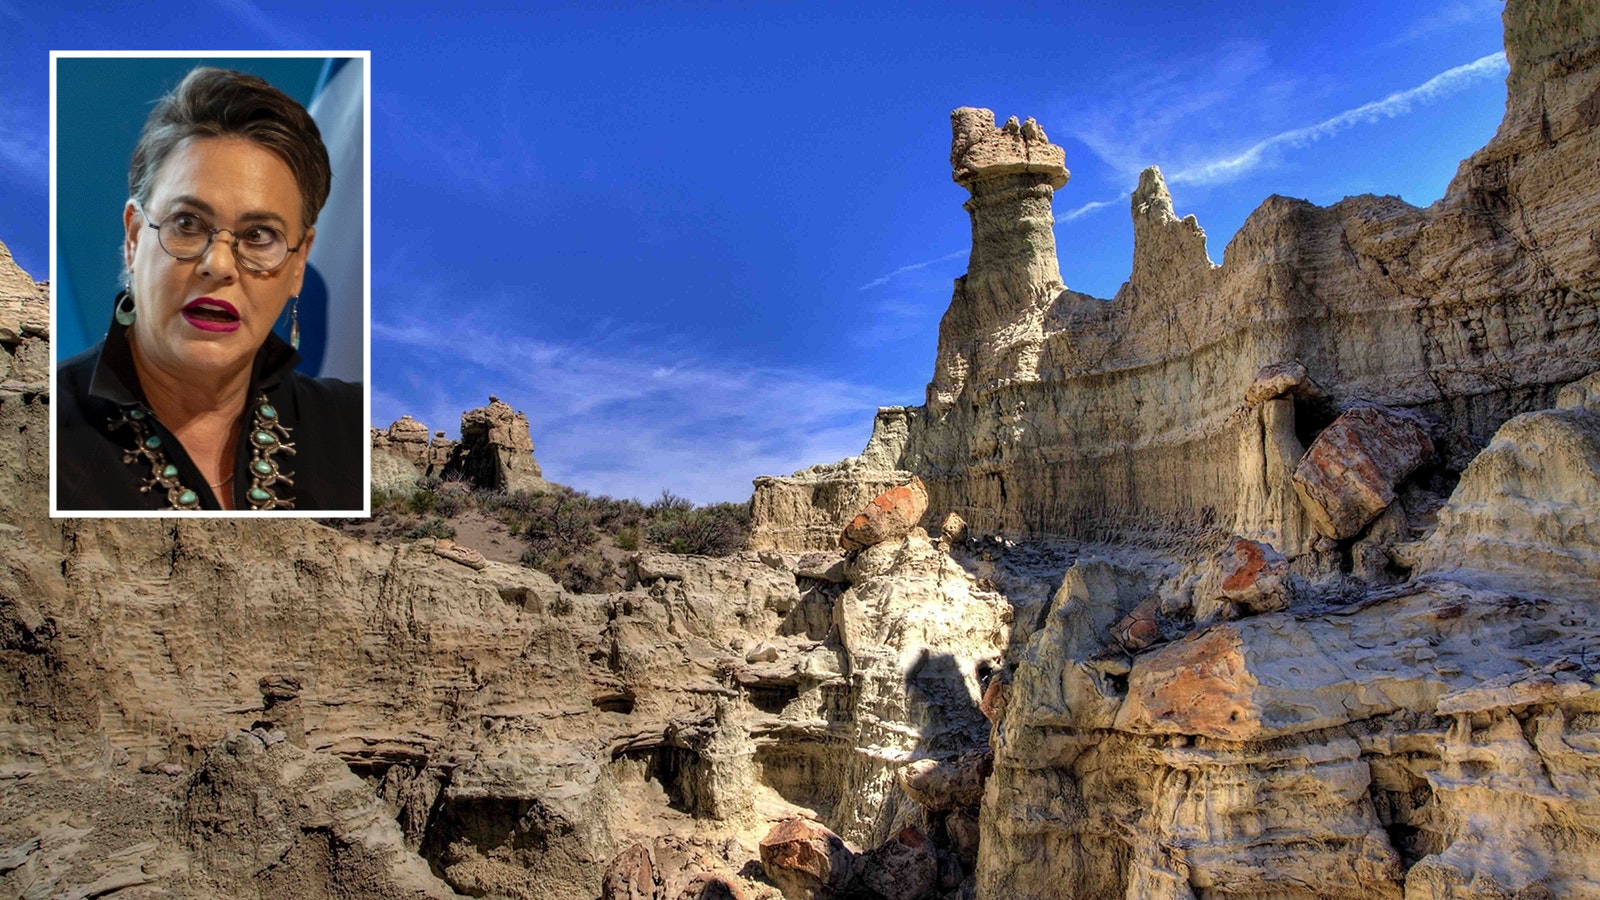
[[495, 452], [1053, 412]]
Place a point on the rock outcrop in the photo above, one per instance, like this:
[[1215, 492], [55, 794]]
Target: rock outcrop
[[496, 450], [1052, 412], [1526, 514], [807, 510]]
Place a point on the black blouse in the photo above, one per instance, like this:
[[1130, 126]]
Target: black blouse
[[112, 453]]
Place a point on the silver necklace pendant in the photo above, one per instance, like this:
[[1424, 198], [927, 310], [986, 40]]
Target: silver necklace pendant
[[269, 437]]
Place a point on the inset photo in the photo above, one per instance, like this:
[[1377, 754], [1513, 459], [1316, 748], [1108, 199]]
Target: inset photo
[[210, 290]]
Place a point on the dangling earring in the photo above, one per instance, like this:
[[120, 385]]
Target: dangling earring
[[294, 324], [125, 310]]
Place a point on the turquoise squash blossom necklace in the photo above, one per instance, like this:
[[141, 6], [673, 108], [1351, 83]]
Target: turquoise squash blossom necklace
[[268, 438]]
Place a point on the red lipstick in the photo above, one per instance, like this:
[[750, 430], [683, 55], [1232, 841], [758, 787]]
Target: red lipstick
[[211, 314]]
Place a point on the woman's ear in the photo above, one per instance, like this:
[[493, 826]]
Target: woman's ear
[[302, 255], [132, 223]]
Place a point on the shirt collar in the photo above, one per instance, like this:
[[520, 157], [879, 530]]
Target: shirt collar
[[116, 380]]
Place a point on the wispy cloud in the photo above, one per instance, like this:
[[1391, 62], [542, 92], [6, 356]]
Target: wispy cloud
[[1156, 105], [483, 152], [24, 142], [899, 318], [611, 417], [24, 153], [1091, 206], [1396, 104], [882, 280], [1129, 157], [1451, 15]]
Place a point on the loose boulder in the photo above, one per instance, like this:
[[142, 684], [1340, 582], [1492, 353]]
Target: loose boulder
[[1348, 475], [707, 886], [905, 867], [1245, 577], [993, 702], [1140, 628], [1279, 379], [946, 784], [1198, 686], [631, 876], [891, 515], [459, 553], [805, 860]]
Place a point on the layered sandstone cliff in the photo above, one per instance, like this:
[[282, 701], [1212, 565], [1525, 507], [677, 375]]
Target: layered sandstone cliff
[[1052, 412]]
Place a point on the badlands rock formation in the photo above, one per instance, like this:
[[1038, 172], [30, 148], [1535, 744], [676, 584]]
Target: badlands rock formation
[[1274, 579], [1327, 514], [495, 452]]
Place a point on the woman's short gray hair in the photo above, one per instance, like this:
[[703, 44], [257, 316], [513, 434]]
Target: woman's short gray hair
[[223, 103]]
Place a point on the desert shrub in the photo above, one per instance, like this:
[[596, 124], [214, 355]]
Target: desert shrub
[[389, 502], [616, 516], [715, 530], [562, 524], [421, 502], [516, 509], [432, 526], [628, 537], [669, 502], [583, 572], [451, 502]]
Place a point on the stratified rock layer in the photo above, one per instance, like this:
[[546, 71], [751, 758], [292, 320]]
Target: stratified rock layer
[[1053, 412]]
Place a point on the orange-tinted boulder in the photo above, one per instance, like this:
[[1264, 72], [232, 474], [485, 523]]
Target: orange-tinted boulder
[[890, 515], [1245, 577], [993, 702], [805, 860], [1349, 473], [1139, 628], [1197, 686]]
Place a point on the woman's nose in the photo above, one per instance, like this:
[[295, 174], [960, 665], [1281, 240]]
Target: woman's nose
[[217, 260]]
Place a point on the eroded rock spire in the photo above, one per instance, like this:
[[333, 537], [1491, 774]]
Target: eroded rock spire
[[993, 329]]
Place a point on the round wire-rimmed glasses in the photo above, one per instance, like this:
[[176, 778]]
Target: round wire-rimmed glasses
[[185, 235]]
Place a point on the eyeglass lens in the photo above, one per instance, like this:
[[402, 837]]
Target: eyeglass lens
[[259, 247]]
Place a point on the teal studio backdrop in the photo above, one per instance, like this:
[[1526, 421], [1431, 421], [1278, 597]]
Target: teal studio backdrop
[[101, 105]]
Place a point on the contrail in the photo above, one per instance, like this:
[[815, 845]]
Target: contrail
[[1396, 104], [1091, 207], [885, 279]]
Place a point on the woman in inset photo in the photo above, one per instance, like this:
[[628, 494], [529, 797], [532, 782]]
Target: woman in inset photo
[[191, 402]]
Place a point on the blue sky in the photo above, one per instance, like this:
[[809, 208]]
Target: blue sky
[[697, 243]]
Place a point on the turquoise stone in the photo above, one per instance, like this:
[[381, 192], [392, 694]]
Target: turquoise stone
[[135, 413], [153, 441], [267, 412], [262, 466], [171, 471], [265, 438], [259, 495], [187, 497]]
